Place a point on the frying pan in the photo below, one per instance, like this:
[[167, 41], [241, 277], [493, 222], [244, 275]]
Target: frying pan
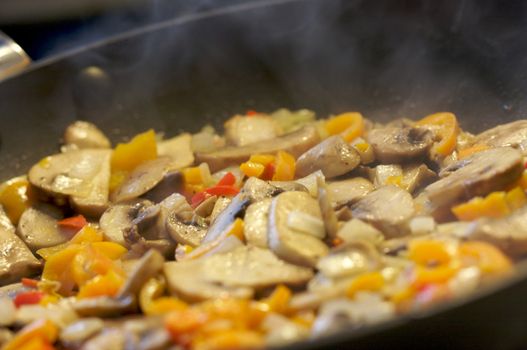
[[385, 59]]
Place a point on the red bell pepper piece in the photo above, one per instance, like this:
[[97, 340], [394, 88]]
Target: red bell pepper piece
[[222, 191], [268, 172], [198, 198], [251, 112], [227, 180], [28, 298], [28, 282], [73, 223]]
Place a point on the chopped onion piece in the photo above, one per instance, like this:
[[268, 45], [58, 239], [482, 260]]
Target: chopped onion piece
[[421, 225], [310, 182]]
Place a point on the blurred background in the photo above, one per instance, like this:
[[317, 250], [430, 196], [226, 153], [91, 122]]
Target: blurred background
[[46, 28]]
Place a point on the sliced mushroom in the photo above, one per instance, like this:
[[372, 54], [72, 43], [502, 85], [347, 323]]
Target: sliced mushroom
[[205, 208], [142, 179], [219, 207], [399, 144], [333, 156], [171, 183], [256, 221], [16, 260], [350, 259], [386, 174], [508, 233], [417, 176], [147, 267], [85, 135], [258, 190], [348, 191], [113, 339], [477, 175], [241, 131], [118, 219], [288, 243], [356, 229], [328, 214], [512, 134], [82, 175], [104, 306], [236, 273], [296, 143], [178, 149], [80, 331], [388, 208], [40, 230], [218, 228]]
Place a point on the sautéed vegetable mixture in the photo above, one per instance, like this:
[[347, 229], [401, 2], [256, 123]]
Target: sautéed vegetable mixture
[[282, 228]]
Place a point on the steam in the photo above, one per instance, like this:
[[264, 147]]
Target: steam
[[385, 59]]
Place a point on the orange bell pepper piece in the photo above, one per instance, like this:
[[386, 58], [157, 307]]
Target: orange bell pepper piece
[[236, 229], [15, 198], [285, 167], [466, 152], [445, 126], [428, 252], [369, 281], [486, 256], [102, 285], [279, 300], [74, 223], [350, 125], [252, 169], [41, 329]]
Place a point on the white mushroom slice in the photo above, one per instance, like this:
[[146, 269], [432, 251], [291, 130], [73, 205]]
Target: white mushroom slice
[[333, 156], [399, 144], [82, 175], [178, 149], [310, 182], [255, 223], [142, 179], [85, 135], [289, 244], [388, 208], [219, 207], [117, 219], [302, 222], [511, 134], [236, 273], [356, 229], [417, 176], [241, 130], [223, 221], [296, 143], [147, 267], [40, 230], [348, 191], [350, 259], [16, 260], [477, 175]]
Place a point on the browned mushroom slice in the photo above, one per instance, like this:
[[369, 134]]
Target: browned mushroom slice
[[142, 179], [82, 175], [399, 144], [147, 267], [349, 191], [78, 332], [508, 233], [512, 134], [85, 135], [236, 273], [333, 156], [118, 219], [296, 143], [415, 177], [256, 221], [290, 242], [16, 260], [477, 175], [104, 306], [241, 131], [178, 149], [40, 230], [388, 208]]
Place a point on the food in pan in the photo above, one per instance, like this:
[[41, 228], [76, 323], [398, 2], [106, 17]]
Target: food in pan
[[282, 228]]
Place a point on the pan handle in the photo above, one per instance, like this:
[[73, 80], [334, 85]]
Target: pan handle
[[13, 59]]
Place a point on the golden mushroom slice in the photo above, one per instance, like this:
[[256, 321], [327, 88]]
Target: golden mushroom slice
[[296, 228]]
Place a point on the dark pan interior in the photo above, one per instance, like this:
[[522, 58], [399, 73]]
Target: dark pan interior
[[386, 59]]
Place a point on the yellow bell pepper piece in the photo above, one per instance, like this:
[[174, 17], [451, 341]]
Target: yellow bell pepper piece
[[57, 267], [285, 167], [279, 300], [237, 229], [42, 329], [231, 339], [516, 198], [117, 177], [110, 249], [428, 252], [88, 234], [15, 198], [252, 169], [433, 275], [163, 305], [264, 159], [89, 263], [446, 127], [127, 156], [396, 180], [102, 285], [369, 281], [192, 176], [486, 256], [350, 125], [36, 344], [470, 210]]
